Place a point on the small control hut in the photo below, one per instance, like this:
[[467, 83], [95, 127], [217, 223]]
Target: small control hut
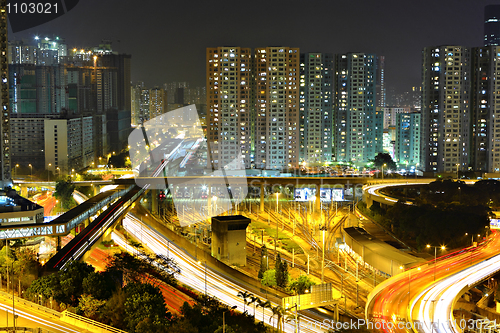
[[229, 239]]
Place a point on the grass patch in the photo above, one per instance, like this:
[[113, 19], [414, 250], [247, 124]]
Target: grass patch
[[284, 241]]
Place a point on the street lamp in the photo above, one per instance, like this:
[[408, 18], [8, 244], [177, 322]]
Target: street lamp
[[224, 319], [457, 170], [383, 165], [48, 172], [15, 169], [435, 256], [323, 258], [31, 167], [277, 194]]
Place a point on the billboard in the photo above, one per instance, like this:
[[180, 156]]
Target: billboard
[[494, 224], [326, 194]]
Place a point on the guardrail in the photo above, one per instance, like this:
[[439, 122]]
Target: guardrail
[[25, 302], [24, 329], [88, 324]]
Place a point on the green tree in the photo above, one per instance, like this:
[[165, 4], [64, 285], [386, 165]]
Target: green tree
[[148, 326], [26, 266], [246, 298], [384, 158], [134, 268], [64, 192], [279, 312], [99, 284], [254, 300], [47, 286], [264, 305], [207, 318], [301, 284], [264, 259], [113, 312], [7, 258], [144, 301], [90, 306], [281, 269], [286, 275], [71, 281], [269, 278]]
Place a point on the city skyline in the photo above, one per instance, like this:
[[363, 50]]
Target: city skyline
[[167, 47]]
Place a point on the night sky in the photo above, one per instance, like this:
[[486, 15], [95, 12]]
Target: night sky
[[167, 39]]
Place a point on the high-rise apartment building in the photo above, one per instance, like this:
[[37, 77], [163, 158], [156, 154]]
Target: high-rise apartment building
[[407, 150], [381, 90], [135, 105], [68, 143], [485, 109], [492, 25], [22, 52], [254, 102], [229, 105], [316, 108], [144, 105], [446, 78], [358, 123], [157, 102], [5, 179], [277, 138], [390, 115]]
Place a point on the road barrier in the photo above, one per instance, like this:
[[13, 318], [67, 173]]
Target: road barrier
[[88, 324]]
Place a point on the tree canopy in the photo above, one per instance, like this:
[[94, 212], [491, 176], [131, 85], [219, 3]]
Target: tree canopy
[[384, 158]]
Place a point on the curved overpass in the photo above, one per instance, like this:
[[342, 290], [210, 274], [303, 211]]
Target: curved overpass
[[421, 299], [372, 192]]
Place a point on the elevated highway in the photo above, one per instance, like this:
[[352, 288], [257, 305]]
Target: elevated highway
[[63, 224]]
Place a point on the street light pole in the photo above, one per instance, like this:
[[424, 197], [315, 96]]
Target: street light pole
[[435, 257], [323, 259], [277, 193]]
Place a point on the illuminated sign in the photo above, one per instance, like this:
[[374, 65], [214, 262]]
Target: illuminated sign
[[326, 194]]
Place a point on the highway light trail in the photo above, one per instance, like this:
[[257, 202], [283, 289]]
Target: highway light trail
[[37, 319], [432, 302], [435, 303], [193, 275]]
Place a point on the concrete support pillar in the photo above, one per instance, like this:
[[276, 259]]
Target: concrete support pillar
[[87, 222], [58, 243], [261, 198], [317, 202], [24, 191], [209, 200], [96, 189], [154, 201]]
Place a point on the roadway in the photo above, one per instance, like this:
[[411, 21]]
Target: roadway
[[220, 285], [30, 315], [426, 294]]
